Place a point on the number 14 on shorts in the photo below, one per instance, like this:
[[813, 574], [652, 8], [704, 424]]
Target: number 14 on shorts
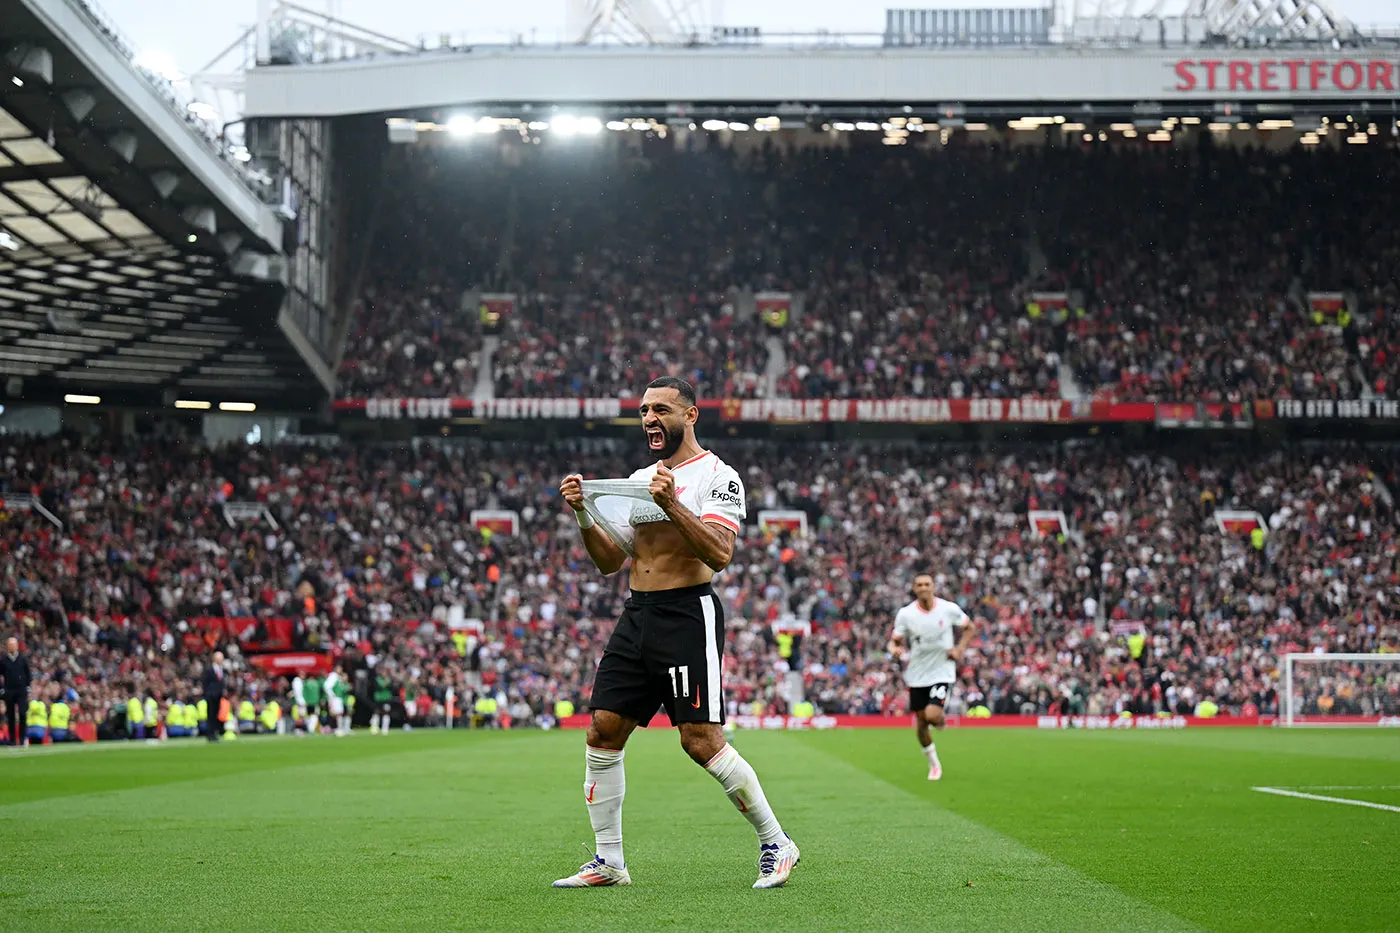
[[680, 680]]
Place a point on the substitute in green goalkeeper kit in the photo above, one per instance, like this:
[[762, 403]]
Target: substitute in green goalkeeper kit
[[311, 690]]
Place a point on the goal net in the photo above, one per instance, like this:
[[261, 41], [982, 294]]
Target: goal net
[[1340, 689]]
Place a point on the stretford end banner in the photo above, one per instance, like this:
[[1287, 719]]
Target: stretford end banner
[[879, 411], [868, 411]]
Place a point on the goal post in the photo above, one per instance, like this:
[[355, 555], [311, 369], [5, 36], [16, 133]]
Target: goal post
[[1340, 690]]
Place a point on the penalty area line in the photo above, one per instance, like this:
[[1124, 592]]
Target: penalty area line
[[1302, 796]]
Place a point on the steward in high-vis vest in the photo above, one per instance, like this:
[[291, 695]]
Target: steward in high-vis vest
[[486, 710], [135, 719], [175, 720], [59, 716], [271, 715], [1137, 641], [247, 716], [201, 716], [36, 721]]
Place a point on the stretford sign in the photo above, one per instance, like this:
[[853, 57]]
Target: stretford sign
[[868, 411], [1368, 76]]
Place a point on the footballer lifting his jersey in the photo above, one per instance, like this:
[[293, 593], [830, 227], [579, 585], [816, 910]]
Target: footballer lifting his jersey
[[679, 528]]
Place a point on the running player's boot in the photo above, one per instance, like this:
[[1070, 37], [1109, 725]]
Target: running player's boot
[[935, 768], [595, 873], [775, 862]]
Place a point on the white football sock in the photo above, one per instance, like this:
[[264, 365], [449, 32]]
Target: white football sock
[[313, 726], [741, 785], [384, 719], [929, 752], [604, 785]]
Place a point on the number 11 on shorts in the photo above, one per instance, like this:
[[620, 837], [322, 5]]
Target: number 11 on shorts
[[680, 681]]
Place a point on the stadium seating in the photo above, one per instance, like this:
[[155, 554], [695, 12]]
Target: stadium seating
[[372, 547], [914, 268]]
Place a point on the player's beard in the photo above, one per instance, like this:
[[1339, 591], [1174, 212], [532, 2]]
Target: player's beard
[[671, 440]]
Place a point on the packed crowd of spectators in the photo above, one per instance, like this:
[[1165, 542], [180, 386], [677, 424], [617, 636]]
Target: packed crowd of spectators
[[370, 552], [1186, 271]]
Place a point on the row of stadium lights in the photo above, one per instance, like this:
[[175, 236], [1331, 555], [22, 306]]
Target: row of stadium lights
[[897, 130], [188, 404]]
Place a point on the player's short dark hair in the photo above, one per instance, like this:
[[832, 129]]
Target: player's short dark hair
[[684, 389]]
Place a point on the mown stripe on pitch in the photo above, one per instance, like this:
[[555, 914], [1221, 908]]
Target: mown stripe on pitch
[[963, 850]]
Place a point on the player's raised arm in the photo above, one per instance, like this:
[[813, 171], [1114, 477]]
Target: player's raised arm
[[711, 540], [605, 553]]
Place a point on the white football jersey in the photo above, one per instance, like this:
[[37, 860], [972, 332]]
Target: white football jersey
[[706, 485], [929, 635]]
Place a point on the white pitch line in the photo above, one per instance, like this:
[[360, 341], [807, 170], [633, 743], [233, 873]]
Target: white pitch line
[[1342, 786], [1355, 803]]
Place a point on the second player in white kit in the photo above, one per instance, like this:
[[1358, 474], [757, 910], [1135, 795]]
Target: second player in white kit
[[930, 636]]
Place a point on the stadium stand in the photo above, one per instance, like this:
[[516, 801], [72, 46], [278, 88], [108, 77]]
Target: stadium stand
[[915, 270], [368, 550]]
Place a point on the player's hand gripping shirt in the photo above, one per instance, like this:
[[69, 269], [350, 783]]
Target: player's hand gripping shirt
[[705, 485]]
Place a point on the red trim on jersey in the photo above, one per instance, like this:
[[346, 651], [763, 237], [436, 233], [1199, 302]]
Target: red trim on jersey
[[700, 455], [720, 520]]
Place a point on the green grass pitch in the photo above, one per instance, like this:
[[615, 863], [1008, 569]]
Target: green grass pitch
[[1029, 830]]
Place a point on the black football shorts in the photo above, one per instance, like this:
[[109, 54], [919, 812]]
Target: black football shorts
[[933, 695], [665, 653]]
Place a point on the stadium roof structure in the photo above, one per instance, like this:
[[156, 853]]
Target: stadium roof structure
[[137, 262], [639, 57]]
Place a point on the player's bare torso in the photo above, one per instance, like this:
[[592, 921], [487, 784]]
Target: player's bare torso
[[664, 561]]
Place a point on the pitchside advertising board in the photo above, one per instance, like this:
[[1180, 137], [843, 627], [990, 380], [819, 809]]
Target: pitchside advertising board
[[881, 411], [842, 721]]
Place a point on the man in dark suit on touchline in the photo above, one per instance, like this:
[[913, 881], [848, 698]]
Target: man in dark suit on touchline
[[15, 673], [214, 692]]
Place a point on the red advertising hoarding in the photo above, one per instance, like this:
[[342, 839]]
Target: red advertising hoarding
[[288, 663]]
